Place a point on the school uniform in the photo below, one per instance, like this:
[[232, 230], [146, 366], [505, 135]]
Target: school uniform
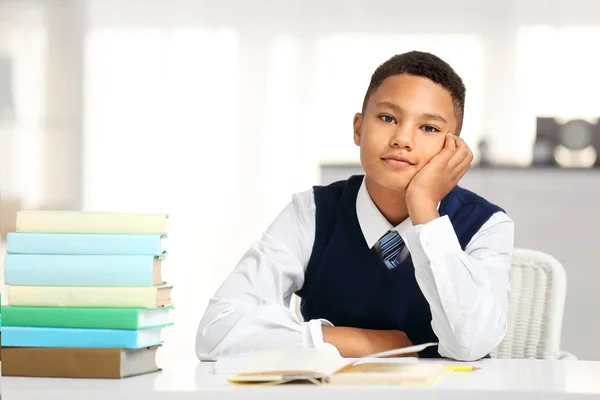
[[446, 281]]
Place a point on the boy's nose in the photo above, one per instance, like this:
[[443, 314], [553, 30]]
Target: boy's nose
[[403, 137]]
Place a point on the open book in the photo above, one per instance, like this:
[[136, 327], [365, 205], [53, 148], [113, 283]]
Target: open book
[[327, 366]]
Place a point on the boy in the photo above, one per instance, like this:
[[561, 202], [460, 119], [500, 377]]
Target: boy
[[400, 256]]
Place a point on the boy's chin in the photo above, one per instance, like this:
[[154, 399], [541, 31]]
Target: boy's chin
[[393, 181]]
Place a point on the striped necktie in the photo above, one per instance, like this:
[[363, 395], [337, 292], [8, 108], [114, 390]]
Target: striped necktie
[[390, 245]]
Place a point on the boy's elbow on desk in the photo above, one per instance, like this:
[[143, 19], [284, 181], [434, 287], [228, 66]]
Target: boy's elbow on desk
[[206, 345], [463, 353], [214, 341], [476, 348], [228, 329], [219, 320]]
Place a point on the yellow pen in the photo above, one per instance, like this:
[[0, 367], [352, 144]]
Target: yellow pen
[[461, 368]]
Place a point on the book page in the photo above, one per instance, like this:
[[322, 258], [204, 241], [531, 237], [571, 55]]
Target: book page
[[294, 361], [324, 362], [388, 353], [233, 364]]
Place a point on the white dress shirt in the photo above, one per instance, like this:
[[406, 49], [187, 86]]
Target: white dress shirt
[[467, 290]]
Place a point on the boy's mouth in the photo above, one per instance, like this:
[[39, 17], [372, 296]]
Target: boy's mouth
[[396, 161]]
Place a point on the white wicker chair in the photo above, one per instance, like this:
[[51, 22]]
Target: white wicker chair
[[538, 289]]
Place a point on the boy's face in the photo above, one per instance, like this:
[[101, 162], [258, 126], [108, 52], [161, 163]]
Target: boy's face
[[404, 126]]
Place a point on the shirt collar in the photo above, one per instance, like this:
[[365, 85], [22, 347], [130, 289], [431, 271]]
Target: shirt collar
[[372, 223]]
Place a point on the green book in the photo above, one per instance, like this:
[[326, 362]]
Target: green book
[[98, 318]]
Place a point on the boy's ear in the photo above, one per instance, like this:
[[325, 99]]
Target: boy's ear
[[358, 119]]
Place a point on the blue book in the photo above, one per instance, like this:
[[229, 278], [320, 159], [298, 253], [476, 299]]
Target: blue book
[[16, 336], [82, 270], [82, 243]]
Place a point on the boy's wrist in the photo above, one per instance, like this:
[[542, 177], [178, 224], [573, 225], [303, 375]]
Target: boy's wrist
[[357, 342], [350, 342], [421, 209]]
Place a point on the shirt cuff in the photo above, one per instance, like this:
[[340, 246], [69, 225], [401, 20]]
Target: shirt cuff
[[432, 240], [315, 334]]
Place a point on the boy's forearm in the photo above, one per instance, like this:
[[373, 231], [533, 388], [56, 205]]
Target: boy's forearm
[[357, 342], [421, 211], [350, 342]]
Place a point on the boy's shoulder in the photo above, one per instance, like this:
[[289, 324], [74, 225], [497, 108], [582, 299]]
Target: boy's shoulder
[[332, 193], [325, 196], [468, 213], [339, 186], [334, 188], [460, 197]]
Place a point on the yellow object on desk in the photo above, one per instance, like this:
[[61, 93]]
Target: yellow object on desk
[[461, 368]]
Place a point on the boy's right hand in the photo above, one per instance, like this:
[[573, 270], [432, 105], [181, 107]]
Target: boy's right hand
[[436, 179], [357, 342]]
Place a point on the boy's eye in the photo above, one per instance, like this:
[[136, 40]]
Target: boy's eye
[[430, 128], [387, 118]]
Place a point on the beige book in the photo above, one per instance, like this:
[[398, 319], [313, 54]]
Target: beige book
[[76, 296], [326, 366], [59, 221]]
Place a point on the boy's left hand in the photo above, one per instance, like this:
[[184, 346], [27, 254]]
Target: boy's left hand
[[436, 179]]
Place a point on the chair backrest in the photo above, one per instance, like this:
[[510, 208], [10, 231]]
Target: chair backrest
[[538, 289]]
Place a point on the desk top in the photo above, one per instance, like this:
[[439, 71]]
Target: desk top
[[498, 379]]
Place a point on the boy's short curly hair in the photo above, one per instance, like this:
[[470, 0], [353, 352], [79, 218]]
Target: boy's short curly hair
[[426, 65]]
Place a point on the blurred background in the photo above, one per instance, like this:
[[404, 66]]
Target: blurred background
[[217, 112]]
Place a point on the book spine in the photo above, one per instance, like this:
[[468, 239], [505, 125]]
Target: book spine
[[13, 336], [52, 317], [78, 270], [95, 297], [90, 222], [83, 244]]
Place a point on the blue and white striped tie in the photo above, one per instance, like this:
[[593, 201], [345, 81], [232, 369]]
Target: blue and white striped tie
[[391, 244]]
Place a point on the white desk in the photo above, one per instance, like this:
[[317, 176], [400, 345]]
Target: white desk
[[498, 379]]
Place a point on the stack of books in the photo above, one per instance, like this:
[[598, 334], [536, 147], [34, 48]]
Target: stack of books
[[86, 297]]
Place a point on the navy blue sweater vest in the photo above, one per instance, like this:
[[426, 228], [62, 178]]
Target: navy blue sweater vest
[[347, 283]]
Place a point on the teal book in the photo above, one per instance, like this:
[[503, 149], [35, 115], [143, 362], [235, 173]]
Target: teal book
[[84, 243], [13, 336], [82, 270], [90, 318]]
